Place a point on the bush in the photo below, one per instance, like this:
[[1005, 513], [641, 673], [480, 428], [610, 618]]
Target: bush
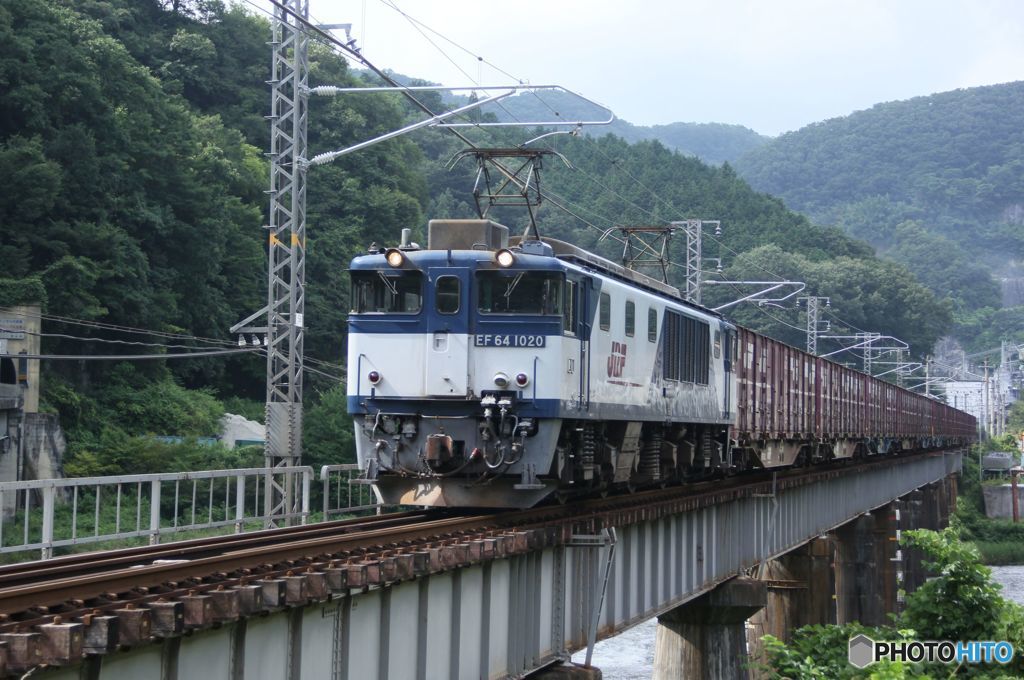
[[328, 436], [821, 652], [1001, 552], [115, 452], [249, 408], [164, 407], [960, 602]]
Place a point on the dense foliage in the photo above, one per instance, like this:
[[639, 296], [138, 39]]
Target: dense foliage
[[822, 653], [936, 183], [959, 602]]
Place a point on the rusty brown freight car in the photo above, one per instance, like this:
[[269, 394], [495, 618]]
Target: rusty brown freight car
[[793, 407]]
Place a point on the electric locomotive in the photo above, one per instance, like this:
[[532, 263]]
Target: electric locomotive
[[495, 372]]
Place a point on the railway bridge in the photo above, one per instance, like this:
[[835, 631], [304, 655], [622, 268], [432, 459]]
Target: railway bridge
[[451, 595]]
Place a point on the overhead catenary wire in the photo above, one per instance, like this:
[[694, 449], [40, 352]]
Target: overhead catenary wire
[[675, 209], [553, 198], [131, 357]]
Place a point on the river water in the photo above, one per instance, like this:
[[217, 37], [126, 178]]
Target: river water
[[630, 655]]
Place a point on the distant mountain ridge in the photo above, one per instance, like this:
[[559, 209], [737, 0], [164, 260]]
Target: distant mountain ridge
[[934, 182], [713, 143]]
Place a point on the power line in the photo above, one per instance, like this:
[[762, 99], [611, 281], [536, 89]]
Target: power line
[[131, 357], [65, 336], [133, 330]]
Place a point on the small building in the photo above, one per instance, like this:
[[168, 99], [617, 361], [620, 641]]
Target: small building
[[20, 329], [19, 390]]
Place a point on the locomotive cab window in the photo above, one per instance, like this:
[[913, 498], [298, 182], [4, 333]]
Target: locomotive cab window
[[652, 324], [522, 292], [377, 292], [447, 294], [630, 318], [605, 316]]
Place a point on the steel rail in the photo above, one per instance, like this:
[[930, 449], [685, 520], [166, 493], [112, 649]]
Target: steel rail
[[81, 563]]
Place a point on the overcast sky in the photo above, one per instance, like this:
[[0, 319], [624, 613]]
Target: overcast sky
[[772, 65]]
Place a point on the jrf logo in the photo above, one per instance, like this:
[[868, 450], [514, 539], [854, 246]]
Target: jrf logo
[[617, 360]]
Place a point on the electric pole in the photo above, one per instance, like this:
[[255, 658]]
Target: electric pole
[[694, 230], [286, 293], [985, 403], [813, 303], [868, 349]]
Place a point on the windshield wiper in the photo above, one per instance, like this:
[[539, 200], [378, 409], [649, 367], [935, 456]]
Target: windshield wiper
[[513, 284], [392, 286]]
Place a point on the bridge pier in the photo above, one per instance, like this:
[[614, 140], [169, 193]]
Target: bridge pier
[[865, 571], [800, 587], [706, 637]]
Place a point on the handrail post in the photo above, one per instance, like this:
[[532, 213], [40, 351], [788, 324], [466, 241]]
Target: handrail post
[[154, 512], [307, 478], [49, 493], [239, 502], [326, 484]]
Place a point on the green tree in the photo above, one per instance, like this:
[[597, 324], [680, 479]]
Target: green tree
[[960, 601]]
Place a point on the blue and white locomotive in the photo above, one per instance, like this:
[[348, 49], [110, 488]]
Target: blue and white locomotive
[[494, 373]]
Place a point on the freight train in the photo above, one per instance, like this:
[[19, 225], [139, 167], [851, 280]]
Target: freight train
[[485, 371]]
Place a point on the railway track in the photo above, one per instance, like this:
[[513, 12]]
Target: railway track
[[163, 590]]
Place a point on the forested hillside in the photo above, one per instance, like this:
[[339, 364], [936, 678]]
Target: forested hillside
[[713, 143], [131, 149], [936, 183]]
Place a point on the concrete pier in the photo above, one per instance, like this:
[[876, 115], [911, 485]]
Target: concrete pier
[[706, 637], [865, 570], [800, 587]]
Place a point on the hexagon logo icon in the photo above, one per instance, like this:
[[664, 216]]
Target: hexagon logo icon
[[862, 651]]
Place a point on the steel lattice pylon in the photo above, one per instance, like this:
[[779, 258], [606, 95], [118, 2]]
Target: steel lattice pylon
[[287, 251], [694, 233], [813, 322]]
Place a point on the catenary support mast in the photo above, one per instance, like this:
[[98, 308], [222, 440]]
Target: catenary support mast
[[287, 250]]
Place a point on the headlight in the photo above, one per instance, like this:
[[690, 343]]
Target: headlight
[[501, 380], [505, 258], [394, 257]]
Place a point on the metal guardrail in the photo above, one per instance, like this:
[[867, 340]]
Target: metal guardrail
[[56, 513], [340, 486]]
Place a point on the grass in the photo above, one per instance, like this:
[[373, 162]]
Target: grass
[[1001, 552]]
